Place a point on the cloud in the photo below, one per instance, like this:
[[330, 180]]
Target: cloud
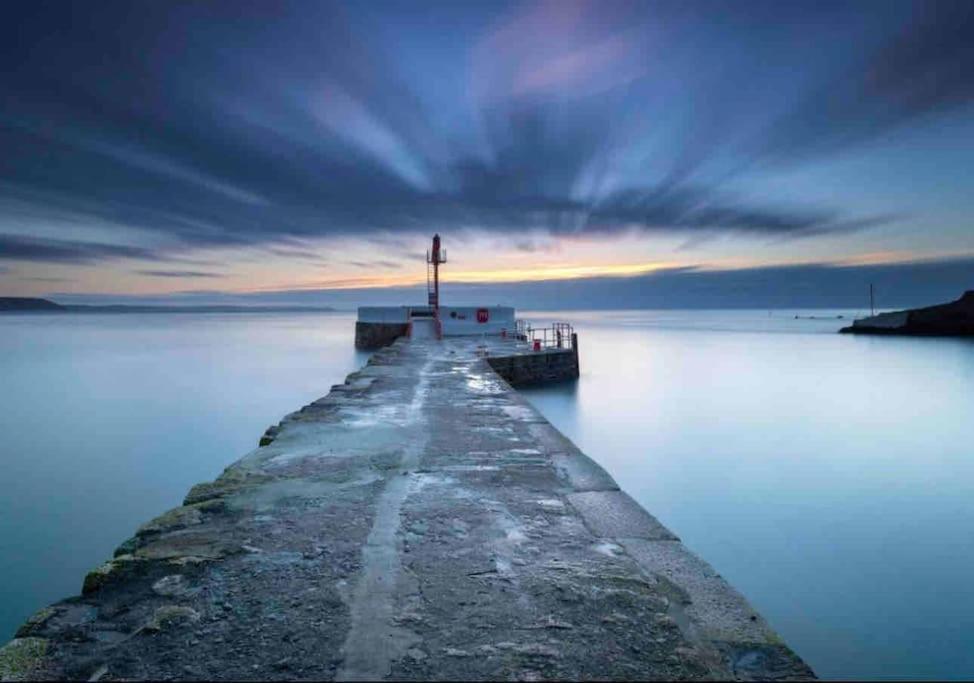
[[179, 273], [292, 253], [379, 264], [545, 48], [919, 71], [45, 279], [21, 248], [572, 118], [816, 285]]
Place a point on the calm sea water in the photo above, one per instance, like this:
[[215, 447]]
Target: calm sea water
[[108, 420], [829, 478]]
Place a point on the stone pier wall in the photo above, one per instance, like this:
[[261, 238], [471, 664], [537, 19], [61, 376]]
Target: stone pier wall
[[370, 336], [420, 522], [537, 367]]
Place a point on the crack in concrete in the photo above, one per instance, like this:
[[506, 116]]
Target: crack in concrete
[[374, 642]]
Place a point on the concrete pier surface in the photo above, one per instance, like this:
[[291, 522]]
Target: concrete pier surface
[[421, 521]]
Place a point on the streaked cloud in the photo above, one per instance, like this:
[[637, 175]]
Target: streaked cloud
[[20, 248], [43, 279], [809, 285], [376, 265], [268, 131], [560, 272], [191, 274]]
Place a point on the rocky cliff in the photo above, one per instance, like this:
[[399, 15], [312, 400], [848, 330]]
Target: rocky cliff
[[954, 318]]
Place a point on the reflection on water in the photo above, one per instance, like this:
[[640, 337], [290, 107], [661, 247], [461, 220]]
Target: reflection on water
[[828, 477], [108, 420]]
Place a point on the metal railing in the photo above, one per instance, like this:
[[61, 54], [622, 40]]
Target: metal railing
[[559, 336]]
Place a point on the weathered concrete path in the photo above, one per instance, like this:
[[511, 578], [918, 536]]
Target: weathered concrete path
[[421, 521]]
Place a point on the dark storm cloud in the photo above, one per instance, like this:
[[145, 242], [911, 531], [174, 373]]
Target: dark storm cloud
[[20, 248], [179, 273], [239, 123], [922, 70], [380, 263], [303, 254]]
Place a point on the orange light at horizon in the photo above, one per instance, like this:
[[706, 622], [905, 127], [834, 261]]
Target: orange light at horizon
[[569, 272], [534, 274]]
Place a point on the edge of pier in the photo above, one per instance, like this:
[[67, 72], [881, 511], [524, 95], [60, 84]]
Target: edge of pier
[[505, 552]]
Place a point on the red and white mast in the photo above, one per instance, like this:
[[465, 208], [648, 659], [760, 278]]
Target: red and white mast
[[434, 258]]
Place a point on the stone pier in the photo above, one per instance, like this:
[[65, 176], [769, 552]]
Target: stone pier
[[421, 521]]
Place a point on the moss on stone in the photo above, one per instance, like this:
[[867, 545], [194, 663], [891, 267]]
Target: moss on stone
[[202, 546], [212, 506], [109, 572], [269, 435], [21, 657], [209, 490], [232, 480], [177, 518], [36, 621], [127, 547]]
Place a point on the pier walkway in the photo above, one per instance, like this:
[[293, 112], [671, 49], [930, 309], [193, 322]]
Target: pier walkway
[[421, 521]]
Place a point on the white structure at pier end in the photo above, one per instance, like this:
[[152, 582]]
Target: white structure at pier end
[[457, 321]]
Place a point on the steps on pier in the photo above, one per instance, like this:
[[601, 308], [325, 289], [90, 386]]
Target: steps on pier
[[423, 328]]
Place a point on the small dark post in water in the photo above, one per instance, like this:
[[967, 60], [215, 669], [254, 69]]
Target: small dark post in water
[[575, 351]]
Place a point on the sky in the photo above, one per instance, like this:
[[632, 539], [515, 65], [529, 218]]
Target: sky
[[631, 153]]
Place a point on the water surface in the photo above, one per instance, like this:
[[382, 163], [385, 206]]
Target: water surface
[[107, 420], [828, 477]]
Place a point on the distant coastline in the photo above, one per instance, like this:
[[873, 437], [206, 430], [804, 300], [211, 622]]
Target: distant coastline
[[14, 304], [33, 305], [954, 319]]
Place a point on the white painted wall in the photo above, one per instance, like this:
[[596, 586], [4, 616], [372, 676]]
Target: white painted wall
[[461, 321], [458, 321], [423, 328]]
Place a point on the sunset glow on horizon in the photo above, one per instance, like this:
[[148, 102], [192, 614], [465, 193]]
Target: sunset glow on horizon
[[317, 146]]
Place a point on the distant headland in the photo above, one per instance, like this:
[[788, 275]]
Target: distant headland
[[16, 303], [951, 319], [13, 304]]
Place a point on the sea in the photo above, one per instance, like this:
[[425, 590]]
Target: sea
[[828, 477]]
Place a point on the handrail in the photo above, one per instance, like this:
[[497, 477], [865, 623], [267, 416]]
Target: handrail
[[560, 335]]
